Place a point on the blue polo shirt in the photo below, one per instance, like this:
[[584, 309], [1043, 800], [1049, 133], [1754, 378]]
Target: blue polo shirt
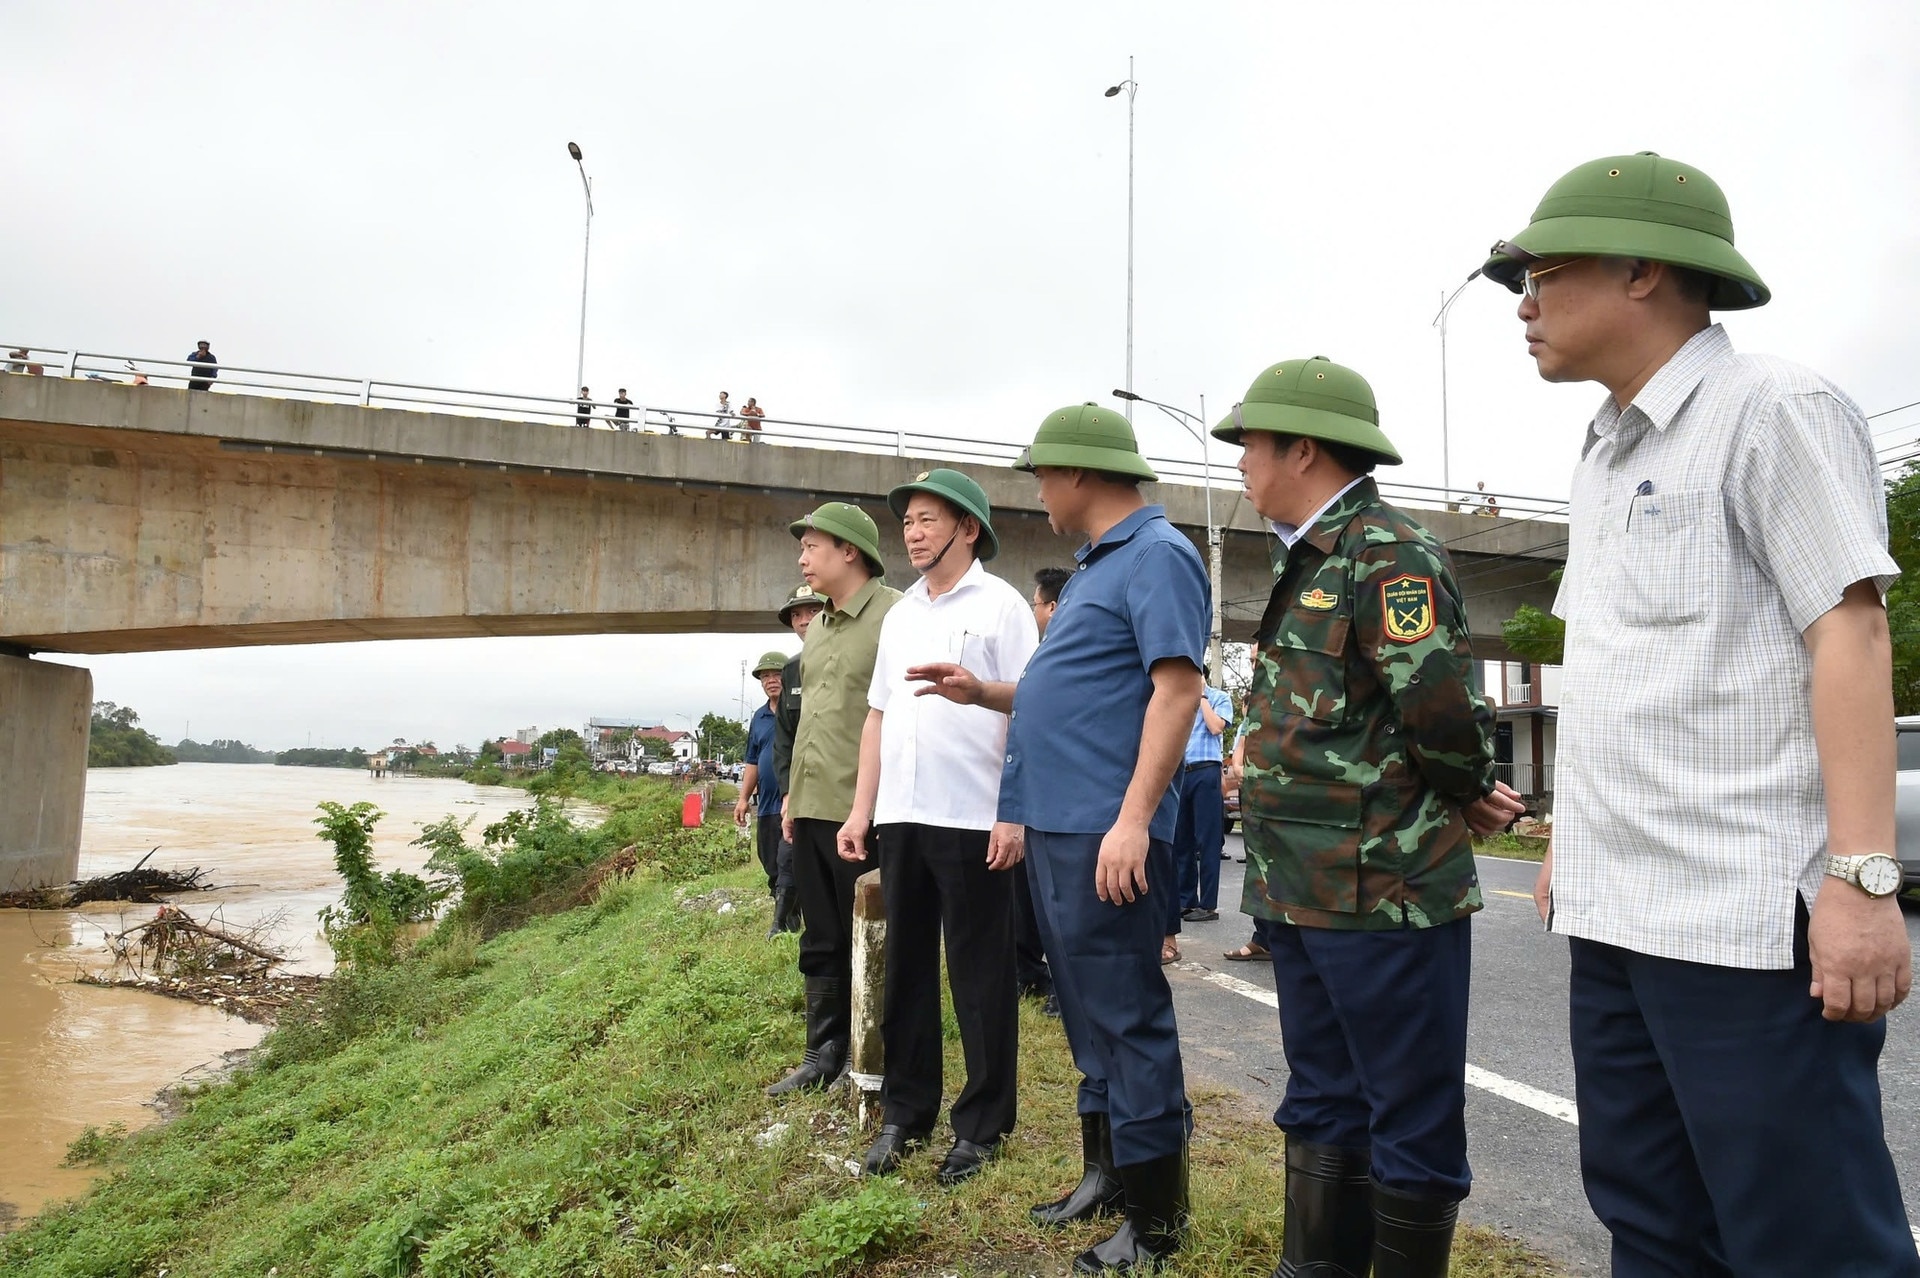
[[1139, 596], [760, 754]]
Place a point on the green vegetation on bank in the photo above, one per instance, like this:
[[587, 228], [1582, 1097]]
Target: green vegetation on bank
[[581, 1096], [316, 757], [219, 751], [115, 739]]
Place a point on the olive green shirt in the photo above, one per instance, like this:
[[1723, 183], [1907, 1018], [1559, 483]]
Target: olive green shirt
[[836, 667]]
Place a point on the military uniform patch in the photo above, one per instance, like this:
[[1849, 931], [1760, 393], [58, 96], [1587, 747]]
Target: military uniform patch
[[1319, 600], [1407, 603]]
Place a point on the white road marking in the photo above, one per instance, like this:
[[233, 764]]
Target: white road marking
[[1524, 896], [1486, 1080]]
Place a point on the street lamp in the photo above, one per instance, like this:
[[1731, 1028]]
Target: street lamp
[[1440, 322], [1131, 89], [1197, 427], [586, 184]]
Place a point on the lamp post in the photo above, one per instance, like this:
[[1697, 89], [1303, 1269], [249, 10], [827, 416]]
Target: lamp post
[[1131, 88], [1197, 427], [586, 253], [1446, 449]]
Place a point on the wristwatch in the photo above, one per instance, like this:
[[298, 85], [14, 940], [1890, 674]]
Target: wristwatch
[[1876, 874]]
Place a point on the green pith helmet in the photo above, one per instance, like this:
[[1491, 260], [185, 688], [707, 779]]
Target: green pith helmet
[[801, 597], [850, 524], [1089, 437], [952, 486], [774, 661], [1314, 398], [1636, 206]]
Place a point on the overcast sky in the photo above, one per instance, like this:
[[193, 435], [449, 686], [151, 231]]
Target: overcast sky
[[879, 213]]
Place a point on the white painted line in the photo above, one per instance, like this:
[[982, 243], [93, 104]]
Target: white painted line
[[1486, 1080], [1510, 860]]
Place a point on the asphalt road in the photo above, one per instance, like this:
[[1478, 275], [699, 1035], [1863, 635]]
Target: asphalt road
[[1525, 1162]]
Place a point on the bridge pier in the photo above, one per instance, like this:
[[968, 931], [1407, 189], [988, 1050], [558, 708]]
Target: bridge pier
[[45, 710]]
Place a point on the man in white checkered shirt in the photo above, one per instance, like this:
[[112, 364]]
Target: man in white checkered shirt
[[1724, 808]]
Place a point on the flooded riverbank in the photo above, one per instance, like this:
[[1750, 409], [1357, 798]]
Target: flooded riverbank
[[76, 1056]]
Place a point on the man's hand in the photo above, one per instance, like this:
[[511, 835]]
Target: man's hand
[[1543, 886], [740, 810], [786, 822], [1862, 960], [1121, 873], [947, 679], [1496, 811], [1006, 846], [851, 842]]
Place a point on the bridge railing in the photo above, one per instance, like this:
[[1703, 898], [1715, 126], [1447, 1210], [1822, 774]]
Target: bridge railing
[[600, 415]]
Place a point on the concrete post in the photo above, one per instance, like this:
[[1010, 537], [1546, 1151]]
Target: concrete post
[[866, 1062], [45, 711]]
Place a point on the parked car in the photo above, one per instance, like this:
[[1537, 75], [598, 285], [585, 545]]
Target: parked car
[[1230, 809], [1906, 798]]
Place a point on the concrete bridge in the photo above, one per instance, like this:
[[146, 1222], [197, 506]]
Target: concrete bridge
[[144, 518]]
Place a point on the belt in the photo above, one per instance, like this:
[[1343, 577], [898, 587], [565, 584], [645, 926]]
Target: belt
[[1210, 763]]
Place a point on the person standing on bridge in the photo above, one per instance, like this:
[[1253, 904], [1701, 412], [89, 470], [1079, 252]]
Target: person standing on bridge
[[750, 421], [840, 558], [760, 793], [622, 409], [722, 418], [1369, 757], [929, 784], [1096, 729], [801, 607], [583, 411], [207, 367], [1721, 861]]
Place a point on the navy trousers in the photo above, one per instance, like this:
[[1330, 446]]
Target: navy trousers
[[1030, 972], [776, 854], [1115, 1003], [1725, 1128], [1374, 1025], [1198, 836]]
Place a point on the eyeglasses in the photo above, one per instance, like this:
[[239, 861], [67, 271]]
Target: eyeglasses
[[1530, 280]]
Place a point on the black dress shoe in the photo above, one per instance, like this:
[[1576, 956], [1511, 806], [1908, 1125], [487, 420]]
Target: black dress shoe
[[966, 1160], [893, 1143], [1051, 1007], [1199, 914]]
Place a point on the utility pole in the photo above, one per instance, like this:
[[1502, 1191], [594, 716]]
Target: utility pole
[[1132, 89]]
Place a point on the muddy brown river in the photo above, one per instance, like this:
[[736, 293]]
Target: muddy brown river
[[73, 1056]]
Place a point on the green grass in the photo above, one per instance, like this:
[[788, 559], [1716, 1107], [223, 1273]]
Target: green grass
[[581, 1096], [1518, 847]]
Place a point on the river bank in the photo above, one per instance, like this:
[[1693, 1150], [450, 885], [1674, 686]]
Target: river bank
[[73, 1057]]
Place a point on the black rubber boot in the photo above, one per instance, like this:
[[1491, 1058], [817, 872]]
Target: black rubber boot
[[786, 913], [1329, 1212], [827, 1033], [1156, 1222], [1412, 1237], [1099, 1192]]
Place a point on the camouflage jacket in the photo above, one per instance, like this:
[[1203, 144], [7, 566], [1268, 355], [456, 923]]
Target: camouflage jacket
[[1365, 734]]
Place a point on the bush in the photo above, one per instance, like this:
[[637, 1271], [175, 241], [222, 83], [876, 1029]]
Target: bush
[[366, 926]]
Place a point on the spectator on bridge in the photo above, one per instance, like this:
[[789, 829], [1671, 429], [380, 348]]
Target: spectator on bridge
[[17, 360], [208, 370], [622, 409], [583, 411], [1721, 861], [750, 420], [722, 418]]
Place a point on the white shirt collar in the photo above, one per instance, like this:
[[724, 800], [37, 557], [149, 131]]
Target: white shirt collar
[[1290, 533], [971, 577]]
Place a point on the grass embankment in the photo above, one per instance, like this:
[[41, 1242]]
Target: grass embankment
[[1517, 847], [582, 1096]]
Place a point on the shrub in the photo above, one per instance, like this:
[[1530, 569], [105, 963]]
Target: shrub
[[365, 926]]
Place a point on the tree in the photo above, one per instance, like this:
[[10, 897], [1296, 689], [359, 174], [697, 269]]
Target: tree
[[115, 740], [1532, 635], [490, 752], [722, 738], [1903, 599], [655, 748], [559, 738]]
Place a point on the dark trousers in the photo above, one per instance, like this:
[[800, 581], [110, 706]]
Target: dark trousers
[[1115, 1003], [1198, 836], [937, 885], [775, 853], [1725, 1128], [824, 885], [1030, 972], [1375, 1030]]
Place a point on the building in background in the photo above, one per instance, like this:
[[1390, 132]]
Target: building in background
[[1526, 699]]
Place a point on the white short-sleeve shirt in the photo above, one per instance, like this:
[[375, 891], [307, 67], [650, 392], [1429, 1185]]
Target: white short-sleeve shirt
[[1713, 520], [940, 762]]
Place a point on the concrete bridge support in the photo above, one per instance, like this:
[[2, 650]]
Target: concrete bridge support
[[45, 710]]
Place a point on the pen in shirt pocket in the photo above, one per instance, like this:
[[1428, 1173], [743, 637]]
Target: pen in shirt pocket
[[1644, 490]]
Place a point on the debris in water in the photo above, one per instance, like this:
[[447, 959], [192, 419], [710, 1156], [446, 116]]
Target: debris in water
[[208, 963], [139, 885]]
